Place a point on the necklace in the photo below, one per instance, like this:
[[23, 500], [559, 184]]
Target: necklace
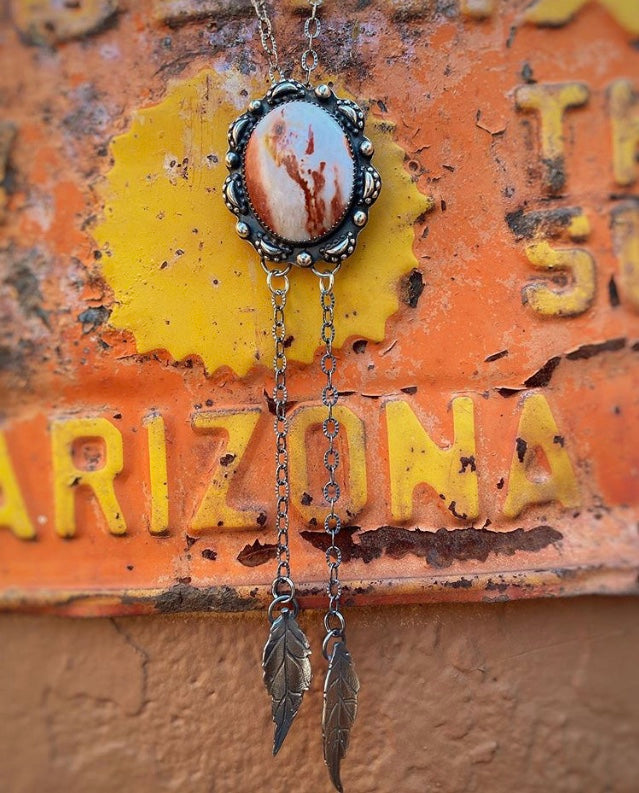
[[300, 185]]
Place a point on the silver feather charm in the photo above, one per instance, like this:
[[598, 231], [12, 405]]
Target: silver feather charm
[[340, 709], [287, 672]]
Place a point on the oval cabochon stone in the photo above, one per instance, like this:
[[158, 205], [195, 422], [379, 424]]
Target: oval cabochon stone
[[299, 172]]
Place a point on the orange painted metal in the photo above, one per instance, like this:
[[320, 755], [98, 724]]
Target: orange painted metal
[[509, 341]]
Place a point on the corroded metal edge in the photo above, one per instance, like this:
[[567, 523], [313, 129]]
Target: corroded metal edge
[[622, 579]]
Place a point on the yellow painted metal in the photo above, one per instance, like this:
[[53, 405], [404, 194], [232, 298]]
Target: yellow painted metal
[[68, 475], [558, 12], [535, 479], [414, 459], [215, 511], [193, 288], [13, 511]]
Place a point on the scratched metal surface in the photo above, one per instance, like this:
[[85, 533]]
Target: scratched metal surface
[[488, 323]]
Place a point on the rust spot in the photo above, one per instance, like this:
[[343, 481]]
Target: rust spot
[[613, 292], [209, 553], [257, 554], [27, 287], [227, 459], [590, 350], [467, 462], [93, 317], [440, 548], [184, 597], [521, 449], [452, 508], [460, 583], [542, 377], [548, 222], [496, 356], [527, 73], [555, 173], [413, 288], [506, 392]]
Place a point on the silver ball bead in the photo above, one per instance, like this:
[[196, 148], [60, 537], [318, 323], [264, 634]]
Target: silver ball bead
[[304, 259], [255, 106], [360, 218], [242, 229], [323, 91], [367, 148], [232, 160]]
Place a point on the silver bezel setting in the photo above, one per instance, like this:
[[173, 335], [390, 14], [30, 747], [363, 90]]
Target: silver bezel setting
[[339, 243]]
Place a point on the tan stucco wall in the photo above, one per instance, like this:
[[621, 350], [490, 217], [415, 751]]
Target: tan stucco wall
[[529, 696]]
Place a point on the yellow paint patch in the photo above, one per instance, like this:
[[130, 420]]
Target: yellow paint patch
[[184, 282], [558, 12]]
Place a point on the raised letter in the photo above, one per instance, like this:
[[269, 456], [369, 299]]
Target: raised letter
[[415, 459], [574, 299], [13, 513], [214, 511], [557, 12], [625, 233], [625, 130], [67, 475], [528, 483], [159, 518], [350, 473], [550, 101]]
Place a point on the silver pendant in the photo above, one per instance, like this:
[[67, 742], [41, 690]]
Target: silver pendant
[[301, 181], [287, 672], [340, 708]]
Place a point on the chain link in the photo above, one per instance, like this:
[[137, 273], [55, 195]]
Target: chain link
[[333, 619], [283, 589], [312, 29], [269, 44]]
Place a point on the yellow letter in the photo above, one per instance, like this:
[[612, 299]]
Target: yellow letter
[[67, 476], [13, 513], [567, 302], [625, 231], [550, 101], [538, 431], [557, 12], [214, 511], [159, 519], [625, 130], [415, 459], [350, 472]]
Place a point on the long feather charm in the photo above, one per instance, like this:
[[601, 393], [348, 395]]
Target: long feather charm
[[287, 672], [340, 709]]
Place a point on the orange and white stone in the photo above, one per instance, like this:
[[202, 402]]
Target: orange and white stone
[[299, 171]]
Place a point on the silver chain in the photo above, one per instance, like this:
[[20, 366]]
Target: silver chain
[[312, 28], [283, 589], [269, 44], [333, 619]]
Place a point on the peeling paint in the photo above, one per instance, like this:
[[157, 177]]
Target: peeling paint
[[440, 548]]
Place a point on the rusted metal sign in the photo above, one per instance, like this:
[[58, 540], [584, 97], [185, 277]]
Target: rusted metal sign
[[488, 327]]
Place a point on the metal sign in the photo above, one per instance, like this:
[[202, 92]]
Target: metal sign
[[488, 329]]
